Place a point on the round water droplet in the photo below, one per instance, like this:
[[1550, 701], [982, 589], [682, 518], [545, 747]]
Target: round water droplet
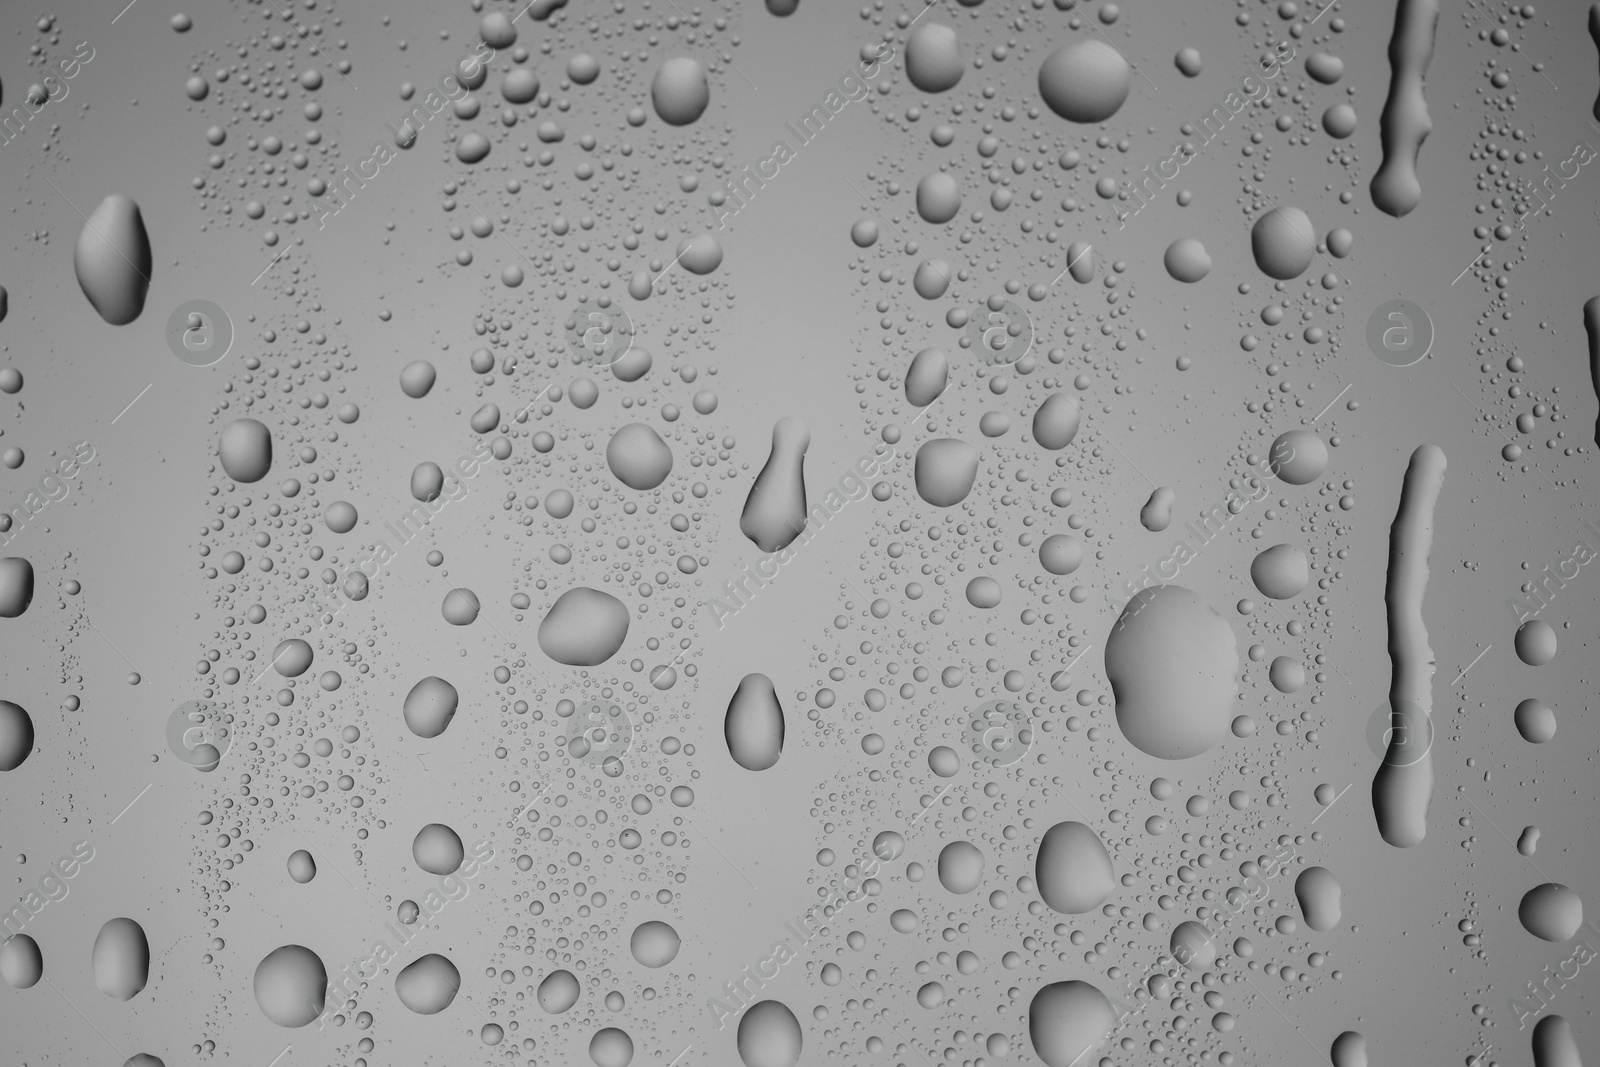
[[654, 943], [438, 849], [291, 985], [1085, 81], [427, 985], [769, 1035], [679, 92], [1073, 869]]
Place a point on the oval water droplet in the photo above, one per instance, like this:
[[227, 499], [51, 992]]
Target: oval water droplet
[[245, 450], [1055, 424], [112, 260], [1073, 869], [1172, 662], [654, 943], [291, 985], [754, 726], [775, 511], [558, 991], [927, 376], [769, 1035], [584, 627], [21, 962], [121, 959], [638, 457], [428, 984], [429, 706]]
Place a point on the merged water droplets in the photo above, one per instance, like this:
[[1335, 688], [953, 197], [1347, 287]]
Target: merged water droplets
[[1318, 893]]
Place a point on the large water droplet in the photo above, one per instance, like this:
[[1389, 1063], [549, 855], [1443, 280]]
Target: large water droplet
[[754, 725], [775, 511], [112, 260]]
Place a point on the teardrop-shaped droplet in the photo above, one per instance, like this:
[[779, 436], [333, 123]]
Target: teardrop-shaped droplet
[[1055, 424], [753, 727], [775, 511]]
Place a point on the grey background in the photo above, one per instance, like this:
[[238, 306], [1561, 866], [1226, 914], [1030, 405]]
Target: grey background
[[788, 330]]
